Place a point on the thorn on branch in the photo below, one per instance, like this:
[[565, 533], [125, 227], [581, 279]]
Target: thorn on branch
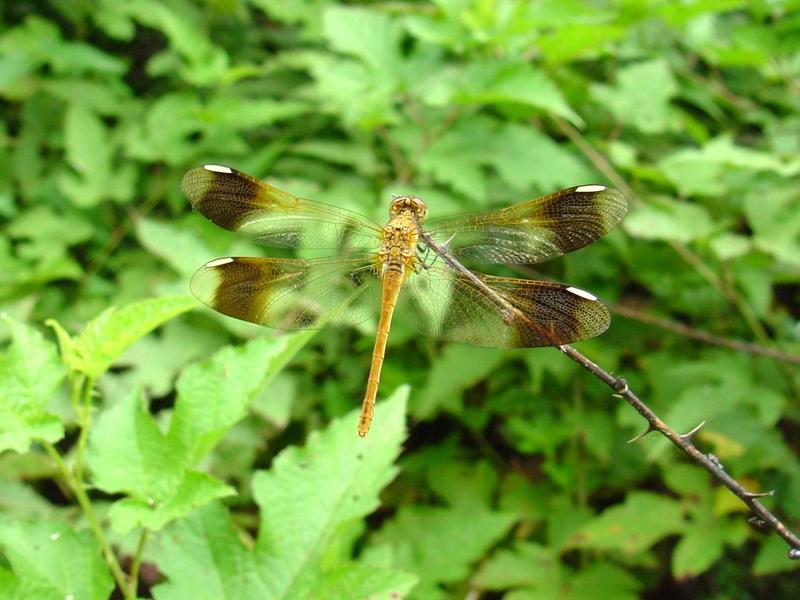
[[649, 429], [759, 523], [690, 434], [759, 494]]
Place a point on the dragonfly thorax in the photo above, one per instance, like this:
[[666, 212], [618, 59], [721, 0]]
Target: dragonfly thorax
[[410, 205]]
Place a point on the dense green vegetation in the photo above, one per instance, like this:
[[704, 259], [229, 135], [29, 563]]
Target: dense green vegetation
[[140, 432]]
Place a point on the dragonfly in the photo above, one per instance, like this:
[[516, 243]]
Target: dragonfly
[[410, 269]]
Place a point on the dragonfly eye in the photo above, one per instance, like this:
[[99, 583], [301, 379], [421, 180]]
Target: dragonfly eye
[[411, 204]]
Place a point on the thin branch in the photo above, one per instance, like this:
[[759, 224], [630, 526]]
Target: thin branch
[[621, 388], [704, 336], [709, 462]]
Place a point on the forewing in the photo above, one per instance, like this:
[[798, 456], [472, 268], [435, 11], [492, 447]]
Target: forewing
[[255, 209], [534, 231], [515, 313], [290, 293]]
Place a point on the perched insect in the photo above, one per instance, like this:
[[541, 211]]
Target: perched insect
[[402, 267]]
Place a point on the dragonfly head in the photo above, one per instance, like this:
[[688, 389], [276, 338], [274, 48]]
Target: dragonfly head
[[408, 204]]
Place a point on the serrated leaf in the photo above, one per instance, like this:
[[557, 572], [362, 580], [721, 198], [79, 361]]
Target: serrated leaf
[[30, 373], [195, 489], [214, 395], [50, 561], [355, 582], [312, 490], [305, 499], [106, 337], [128, 453]]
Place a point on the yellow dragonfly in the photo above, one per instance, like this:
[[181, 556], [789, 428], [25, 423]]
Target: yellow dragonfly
[[402, 269]]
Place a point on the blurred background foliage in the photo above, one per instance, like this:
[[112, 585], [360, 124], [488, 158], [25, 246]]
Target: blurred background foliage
[[516, 480]]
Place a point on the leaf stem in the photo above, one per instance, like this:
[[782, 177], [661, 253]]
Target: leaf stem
[[76, 487], [86, 386], [133, 578]]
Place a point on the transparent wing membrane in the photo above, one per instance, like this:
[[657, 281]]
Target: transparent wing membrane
[[439, 299], [442, 303], [533, 231], [290, 293], [261, 212]]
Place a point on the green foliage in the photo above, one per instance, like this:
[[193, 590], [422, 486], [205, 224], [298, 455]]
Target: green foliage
[[51, 561], [30, 373], [224, 456]]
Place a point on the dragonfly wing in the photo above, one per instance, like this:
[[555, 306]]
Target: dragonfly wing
[[290, 293], [249, 206], [443, 303], [533, 231]]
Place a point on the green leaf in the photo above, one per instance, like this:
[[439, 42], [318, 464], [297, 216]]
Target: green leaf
[[89, 154], [306, 498], [440, 544], [129, 454], [525, 158], [694, 171], [776, 224], [457, 368], [30, 373], [201, 62], [106, 337], [312, 491], [177, 246], [697, 550], [663, 219], [50, 561], [214, 395], [308, 13], [371, 36], [354, 582], [641, 96], [632, 527], [495, 82], [195, 489], [526, 565], [772, 558], [457, 157]]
